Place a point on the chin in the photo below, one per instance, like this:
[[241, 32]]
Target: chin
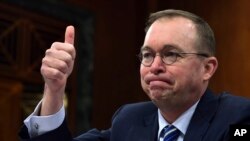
[[158, 95]]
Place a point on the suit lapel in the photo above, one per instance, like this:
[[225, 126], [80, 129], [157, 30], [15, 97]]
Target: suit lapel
[[203, 114], [147, 131], [151, 126]]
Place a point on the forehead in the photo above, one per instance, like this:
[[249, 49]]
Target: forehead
[[177, 32]]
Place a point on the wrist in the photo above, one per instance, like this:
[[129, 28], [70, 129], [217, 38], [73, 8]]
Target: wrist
[[52, 101]]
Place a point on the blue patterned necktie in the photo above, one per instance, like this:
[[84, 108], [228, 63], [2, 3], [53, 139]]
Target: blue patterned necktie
[[169, 133]]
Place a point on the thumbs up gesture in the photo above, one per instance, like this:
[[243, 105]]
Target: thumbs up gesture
[[56, 67]]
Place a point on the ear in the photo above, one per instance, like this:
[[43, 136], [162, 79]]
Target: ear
[[210, 66]]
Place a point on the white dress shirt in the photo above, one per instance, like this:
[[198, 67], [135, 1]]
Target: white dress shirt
[[181, 123]]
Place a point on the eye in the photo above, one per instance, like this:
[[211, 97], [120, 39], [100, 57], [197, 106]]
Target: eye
[[146, 55], [171, 54]]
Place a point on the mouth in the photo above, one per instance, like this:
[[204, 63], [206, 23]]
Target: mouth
[[150, 79], [158, 82]]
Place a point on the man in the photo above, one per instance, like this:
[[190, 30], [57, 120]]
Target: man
[[177, 61]]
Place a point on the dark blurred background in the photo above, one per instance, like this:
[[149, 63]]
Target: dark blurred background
[[108, 38]]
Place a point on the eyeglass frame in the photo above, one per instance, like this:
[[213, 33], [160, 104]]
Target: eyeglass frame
[[176, 55]]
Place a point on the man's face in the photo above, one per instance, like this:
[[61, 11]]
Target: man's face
[[181, 81]]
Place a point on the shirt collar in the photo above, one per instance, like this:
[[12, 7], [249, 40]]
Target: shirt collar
[[181, 122]]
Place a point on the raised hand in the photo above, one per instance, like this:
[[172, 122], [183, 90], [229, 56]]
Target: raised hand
[[56, 67]]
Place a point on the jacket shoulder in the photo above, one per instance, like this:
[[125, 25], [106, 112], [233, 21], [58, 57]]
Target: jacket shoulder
[[135, 110], [235, 108], [233, 101]]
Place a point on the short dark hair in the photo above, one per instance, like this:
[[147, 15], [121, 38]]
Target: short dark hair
[[204, 32]]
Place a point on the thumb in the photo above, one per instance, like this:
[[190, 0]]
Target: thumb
[[70, 35]]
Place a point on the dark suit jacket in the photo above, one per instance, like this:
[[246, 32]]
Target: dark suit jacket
[[139, 122]]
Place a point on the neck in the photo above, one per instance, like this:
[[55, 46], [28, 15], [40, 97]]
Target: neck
[[172, 114], [171, 110]]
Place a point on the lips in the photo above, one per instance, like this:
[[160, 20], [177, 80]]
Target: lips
[[158, 81]]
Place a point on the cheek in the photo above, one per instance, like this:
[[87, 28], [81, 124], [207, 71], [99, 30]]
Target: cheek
[[189, 75], [143, 71]]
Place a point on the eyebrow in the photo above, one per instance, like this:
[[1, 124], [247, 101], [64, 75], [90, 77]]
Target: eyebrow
[[167, 46], [146, 48]]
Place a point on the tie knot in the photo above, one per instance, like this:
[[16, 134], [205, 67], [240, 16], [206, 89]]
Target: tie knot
[[169, 133]]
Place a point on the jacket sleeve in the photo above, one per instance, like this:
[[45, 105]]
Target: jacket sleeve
[[62, 133]]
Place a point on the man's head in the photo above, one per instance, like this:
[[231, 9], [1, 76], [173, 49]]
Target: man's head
[[206, 39], [177, 58]]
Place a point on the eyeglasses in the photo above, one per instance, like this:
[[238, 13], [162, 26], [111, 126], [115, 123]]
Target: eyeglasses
[[169, 57]]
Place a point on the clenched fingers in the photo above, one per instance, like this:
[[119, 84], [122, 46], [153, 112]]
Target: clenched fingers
[[51, 73], [58, 61], [66, 47]]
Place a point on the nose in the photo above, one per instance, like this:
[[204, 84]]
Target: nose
[[157, 66]]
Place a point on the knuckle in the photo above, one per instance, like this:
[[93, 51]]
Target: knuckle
[[54, 45], [44, 60], [48, 52], [50, 73], [45, 72], [63, 67], [42, 70], [68, 58]]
